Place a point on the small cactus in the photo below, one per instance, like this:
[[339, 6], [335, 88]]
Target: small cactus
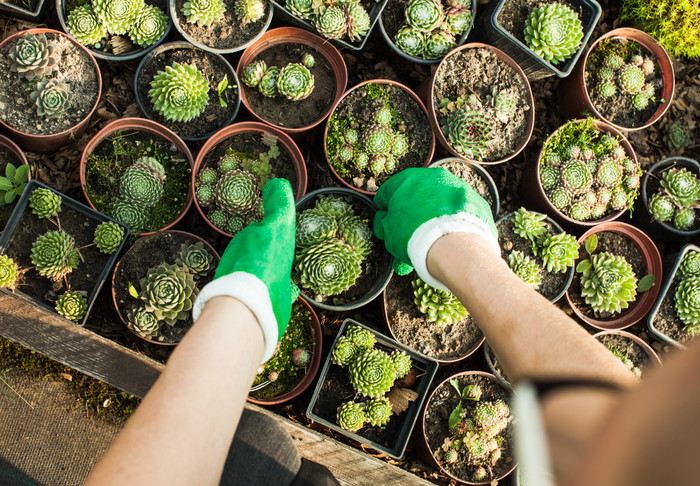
[[129, 214], [301, 8], [631, 79], [677, 136], [559, 252], [402, 363], [268, 83], [438, 44]]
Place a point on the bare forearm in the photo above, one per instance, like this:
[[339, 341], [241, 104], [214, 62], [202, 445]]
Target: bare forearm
[[182, 430]]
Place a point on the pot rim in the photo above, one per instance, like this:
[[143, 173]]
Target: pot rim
[[14, 148], [496, 207], [653, 357]]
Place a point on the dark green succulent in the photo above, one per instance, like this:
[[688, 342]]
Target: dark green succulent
[[195, 258], [149, 26], [179, 93], [71, 305], [344, 351], [529, 224], [34, 57], [526, 269], [402, 363], [357, 21], [54, 255], [558, 252], [44, 202], [108, 236], [268, 83], [226, 164], [314, 226], [351, 416], [203, 12], [356, 233], [118, 16], [253, 73], [378, 411], [83, 24], [168, 292], [608, 282], [51, 97], [140, 186], [329, 267], [424, 15], [677, 136], [205, 195], [690, 265], [439, 306], [554, 32], [295, 82], [143, 323], [133, 216], [8, 272], [469, 131], [218, 218], [372, 373]]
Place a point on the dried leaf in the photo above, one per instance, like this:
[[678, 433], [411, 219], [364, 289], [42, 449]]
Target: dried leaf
[[400, 398], [66, 376], [107, 403]]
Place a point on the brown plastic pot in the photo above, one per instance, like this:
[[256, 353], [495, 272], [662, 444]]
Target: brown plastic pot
[[313, 367], [143, 125], [293, 35], [46, 144], [415, 98], [252, 127], [429, 92], [573, 91], [135, 249], [531, 187], [645, 300], [653, 357]]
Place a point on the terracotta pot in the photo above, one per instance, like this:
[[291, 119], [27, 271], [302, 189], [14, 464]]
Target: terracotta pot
[[251, 127], [645, 300], [493, 190], [425, 447], [134, 249], [415, 98], [653, 357], [46, 144], [532, 192], [142, 125], [429, 93], [12, 147], [573, 91], [292, 35], [313, 367]]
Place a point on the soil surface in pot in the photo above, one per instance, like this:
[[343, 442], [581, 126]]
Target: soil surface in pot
[[441, 405], [227, 33], [654, 186], [75, 68], [552, 283], [617, 244], [480, 72], [514, 13], [630, 353], [213, 68], [666, 321], [28, 5], [472, 177], [294, 114], [134, 265], [360, 106], [619, 108], [409, 326], [7, 156]]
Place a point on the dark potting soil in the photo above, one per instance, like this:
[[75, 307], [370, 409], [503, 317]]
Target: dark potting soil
[[617, 244], [479, 71], [7, 156], [552, 283], [409, 326], [213, 68], [148, 253], [443, 402], [360, 105], [75, 68], [472, 177], [629, 349], [654, 186], [619, 108], [28, 5], [227, 33], [514, 13], [294, 114], [666, 321]]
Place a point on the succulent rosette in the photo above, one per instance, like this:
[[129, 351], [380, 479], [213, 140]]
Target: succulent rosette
[[237, 192], [133, 216], [149, 26], [253, 73], [143, 323], [44, 202], [51, 97], [8, 272], [439, 306], [329, 267], [344, 351], [84, 25], [34, 57], [331, 22], [469, 131], [372, 372], [203, 12], [108, 236], [71, 305], [351, 416], [357, 21], [608, 283], [554, 32], [295, 82], [410, 40], [168, 292], [117, 16], [688, 303], [378, 411], [195, 258], [54, 255], [179, 93], [424, 15]]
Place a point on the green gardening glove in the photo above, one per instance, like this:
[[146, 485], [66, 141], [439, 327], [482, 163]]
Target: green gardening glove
[[256, 267], [418, 206]]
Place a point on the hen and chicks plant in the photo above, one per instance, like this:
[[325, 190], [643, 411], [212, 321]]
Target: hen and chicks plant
[[34, 57], [140, 188], [207, 12], [8, 272], [180, 93], [71, 305], [687, 296], [333, 20], [554, 32], [439, 306], [293, 81], [677, 199]]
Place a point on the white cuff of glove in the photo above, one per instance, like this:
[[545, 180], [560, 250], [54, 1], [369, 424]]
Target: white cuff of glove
[[427, 233], [253, 292]]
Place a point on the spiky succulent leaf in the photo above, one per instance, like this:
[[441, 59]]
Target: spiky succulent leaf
[[34, 56], [44, 202], [54, 255], [253, 73], [410, 40], [329, 267], [51, 97], [438, 44], [357, 21], [131, 215], [424, 15], [8, 272], [344, 351], [372, 373], [690, 265], [237, 192], [149, 26], [661, 207], [140, 187], [469, 131], [402, 363], [249, 10], [331, 22], [117, 16], [203, 12], [108, 236], [439, 306], [143, 323], [378, 411], [528, 224], [682, 185], [526, 269], [71, 305], [168, 292], [609, 283], [195, 258], [83, 24], [351, 416], [295, 82], [179, 93], [553, 32], [559, 252], [360, 337], [688, 303]]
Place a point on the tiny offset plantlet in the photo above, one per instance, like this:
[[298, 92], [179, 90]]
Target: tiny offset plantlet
[[180, 93], [553, 32], [71, 305], [108, 236], [45, 203], [14, 182]]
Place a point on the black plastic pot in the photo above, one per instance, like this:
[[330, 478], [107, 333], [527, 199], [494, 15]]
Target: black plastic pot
[[496, 205], [385, 273], [534, 66], [22, 13], [67, 203], [396, 443], [664, 296]]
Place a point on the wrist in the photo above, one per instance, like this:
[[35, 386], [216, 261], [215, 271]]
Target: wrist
[[463, 246]]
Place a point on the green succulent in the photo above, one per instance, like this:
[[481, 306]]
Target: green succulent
[[529, 224], [54, 255], [133, 216], [237, 192], [314, 226], [149, 26], [661, 207], [334, 206], [351, 416], [14, 182], [690, 265], [438, 44], [549, 177], [682, 185], [218, 218], [402, 363], [226, 164], [554, 32], [168, 292], [203, 12], [372, 373], [558, 252], [195, 258], [607, 282], [424, 15], [108, 236], [308, 60], [630, 79], [677, 136], [328, 268], [357, 21], [140, 187], [410, 40], [249, 10], [344, 351], [526, 269], [383, 116], [609, 173], [439, 306], [457, 20], [469, 131], [44, 202], [378, 411], [51, 97], [268, 83], [400, 147], [301, 8], [504, 105], [71, 305], [143, 323], [253, 73], [235, 224], [356, 233], [606, 89], [118, 16], [331, 22], [640, 101], [688, 303], [295, 82], [684, 219], [377, 139], [179, 93], [8, 272], [360, 337], [361, 160], [34, 57], [560, 198], [208, 177], [205, 195], [575, 177], [84, 26]]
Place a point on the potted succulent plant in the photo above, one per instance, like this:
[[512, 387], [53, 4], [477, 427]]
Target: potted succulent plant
[[16, 170], [339, 264], [189, 90], [156, 282], [480, 105], [371, 389], [675, 317], [625, 79], [138, 172], [232, 168], [467, 428], [617, 276], [476, 176], [52, 87], [367, 137], [634, 352], [57, 252]]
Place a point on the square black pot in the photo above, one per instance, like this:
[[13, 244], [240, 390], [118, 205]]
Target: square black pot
[[23, 13]]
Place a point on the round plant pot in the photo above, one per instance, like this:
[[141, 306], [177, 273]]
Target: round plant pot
[[648, 350], [255, 128], [379, 251], [653, 173], [531, 187], [491, 362], [429, 93], [293, 35], [389, 82], [14, 148], [423, 443], [645, 300], [574, 99], [10, 146], [139, 247], [483, 174], [142, 125], [175, 16], [46, 144], [184, 52], [313, 367], [136, 53]]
